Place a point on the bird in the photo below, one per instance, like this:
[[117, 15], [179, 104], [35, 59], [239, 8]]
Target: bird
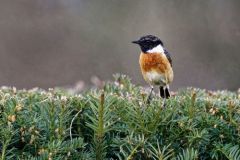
[[156, 65]]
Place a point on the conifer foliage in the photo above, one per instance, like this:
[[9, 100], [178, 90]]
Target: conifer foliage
[[116, 123]]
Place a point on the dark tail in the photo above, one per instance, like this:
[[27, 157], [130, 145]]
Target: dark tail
[[164, 92]]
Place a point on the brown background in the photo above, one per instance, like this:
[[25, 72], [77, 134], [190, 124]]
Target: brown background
[[49, 43]]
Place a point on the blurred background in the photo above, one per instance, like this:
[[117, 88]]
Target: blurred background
[[48, 43]]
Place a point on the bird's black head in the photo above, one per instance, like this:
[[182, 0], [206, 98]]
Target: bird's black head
[[148, 42]]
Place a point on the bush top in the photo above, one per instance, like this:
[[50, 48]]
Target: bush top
[[116, 123]]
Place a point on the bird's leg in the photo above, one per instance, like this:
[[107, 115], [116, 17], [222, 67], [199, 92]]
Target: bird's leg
[[150, 96], [162, 93], [165, 89], [164, 102]]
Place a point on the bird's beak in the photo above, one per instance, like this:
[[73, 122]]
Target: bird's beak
[[136, 42]]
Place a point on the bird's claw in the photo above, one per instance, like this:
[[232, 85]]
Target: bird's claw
[[149, 99]]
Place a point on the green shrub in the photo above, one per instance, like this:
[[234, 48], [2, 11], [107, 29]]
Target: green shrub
[[116, 123]]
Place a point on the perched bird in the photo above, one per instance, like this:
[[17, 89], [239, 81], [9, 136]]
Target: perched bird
[[156, 64]]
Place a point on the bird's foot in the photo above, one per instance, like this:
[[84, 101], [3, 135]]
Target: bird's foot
[[149, 100], [164, 103]]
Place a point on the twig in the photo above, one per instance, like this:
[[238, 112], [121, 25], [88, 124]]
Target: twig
[[72, 123]]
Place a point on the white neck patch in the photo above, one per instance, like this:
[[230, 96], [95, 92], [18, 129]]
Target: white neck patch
[[157, 49]]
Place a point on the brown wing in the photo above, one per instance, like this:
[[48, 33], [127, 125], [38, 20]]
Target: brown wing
[[168, 56]]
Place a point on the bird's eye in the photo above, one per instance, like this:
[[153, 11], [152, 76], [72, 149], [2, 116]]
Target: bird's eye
[[148, 41]]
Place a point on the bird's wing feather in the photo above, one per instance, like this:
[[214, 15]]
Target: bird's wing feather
[[168, 56]]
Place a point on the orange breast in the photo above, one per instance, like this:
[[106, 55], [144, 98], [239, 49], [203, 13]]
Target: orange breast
[[156, 62]]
